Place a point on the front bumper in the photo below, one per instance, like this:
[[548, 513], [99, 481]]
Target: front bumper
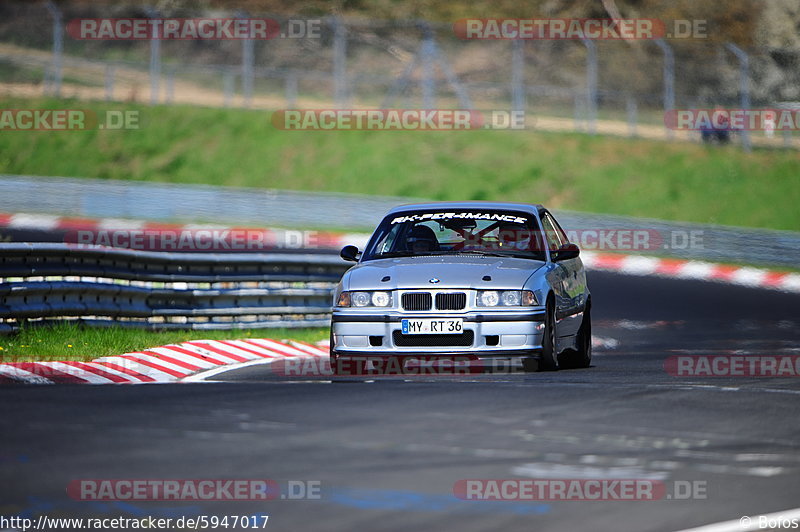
[[489, 335]]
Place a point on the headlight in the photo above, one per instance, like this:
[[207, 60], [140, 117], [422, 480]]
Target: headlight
[[511, 298], [360, 299], [364, 299], [381, 299], [506, 298], [489, 298]]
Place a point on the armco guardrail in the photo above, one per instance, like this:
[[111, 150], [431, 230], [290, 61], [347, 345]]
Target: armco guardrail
[[103, 286], [99, 198], [95, 198]]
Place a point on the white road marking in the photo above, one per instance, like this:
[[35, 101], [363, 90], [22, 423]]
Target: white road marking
[[203, 375], [548, 470], [747, 523]]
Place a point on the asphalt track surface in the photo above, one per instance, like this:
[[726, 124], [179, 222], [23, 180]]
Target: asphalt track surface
[[387, 453]]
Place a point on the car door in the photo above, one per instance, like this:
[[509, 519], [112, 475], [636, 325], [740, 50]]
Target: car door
[[558, 275], [571, 275]]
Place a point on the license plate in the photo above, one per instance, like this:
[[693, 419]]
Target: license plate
[[433, 326]]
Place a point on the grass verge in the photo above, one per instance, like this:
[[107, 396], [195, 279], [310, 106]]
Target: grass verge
[[636, 177], [67, 341]]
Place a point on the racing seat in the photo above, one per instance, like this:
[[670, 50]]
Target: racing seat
[[422, 239]]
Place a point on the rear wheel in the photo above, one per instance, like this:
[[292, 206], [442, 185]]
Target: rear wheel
[[581, 357]]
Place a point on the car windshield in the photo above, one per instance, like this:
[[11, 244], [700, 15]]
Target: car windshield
[[463, 232]]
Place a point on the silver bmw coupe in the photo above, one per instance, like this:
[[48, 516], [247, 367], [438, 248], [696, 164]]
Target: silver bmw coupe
[[498, 282]]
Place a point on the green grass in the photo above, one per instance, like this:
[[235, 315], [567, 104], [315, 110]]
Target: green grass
[[638, 177], [67, 341]]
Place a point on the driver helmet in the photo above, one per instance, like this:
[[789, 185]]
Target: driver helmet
[[516, 237]]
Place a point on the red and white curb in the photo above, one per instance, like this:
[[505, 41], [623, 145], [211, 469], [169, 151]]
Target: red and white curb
[[271, 237], [169, 363], [284, 238], [693, 270], [193, 361]]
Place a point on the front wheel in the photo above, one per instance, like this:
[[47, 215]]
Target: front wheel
[[581, 357], [547, 359]]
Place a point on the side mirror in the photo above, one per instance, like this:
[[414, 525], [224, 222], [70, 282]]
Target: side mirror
[[567, 251], [350, 253]]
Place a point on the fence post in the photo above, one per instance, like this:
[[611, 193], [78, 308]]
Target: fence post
[[170, 86], [669, 79], [428, 82], [339, 63], [248, 60], [591, 83], [228, 83], [155, 60], [109, 79], [291, 90], [517, 75], [744, 87], [56, 69], [577, 109], [631, 109]]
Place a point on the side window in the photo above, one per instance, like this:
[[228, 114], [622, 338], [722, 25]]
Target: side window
[[561, 234], [386, 242], [551, 234]]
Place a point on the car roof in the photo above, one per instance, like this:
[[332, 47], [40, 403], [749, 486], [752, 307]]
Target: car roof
[[508, 206]]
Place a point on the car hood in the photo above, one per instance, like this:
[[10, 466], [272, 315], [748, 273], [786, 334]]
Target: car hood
[[452, 272]]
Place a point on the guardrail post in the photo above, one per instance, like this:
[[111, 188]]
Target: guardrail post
[[56, 67], [744, 87], [591, 83]]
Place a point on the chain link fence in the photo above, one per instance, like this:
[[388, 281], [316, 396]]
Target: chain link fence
[[620, 87]]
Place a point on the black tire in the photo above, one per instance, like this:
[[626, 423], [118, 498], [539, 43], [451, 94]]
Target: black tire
[[547, 358], [334, 358], [582, 356]]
